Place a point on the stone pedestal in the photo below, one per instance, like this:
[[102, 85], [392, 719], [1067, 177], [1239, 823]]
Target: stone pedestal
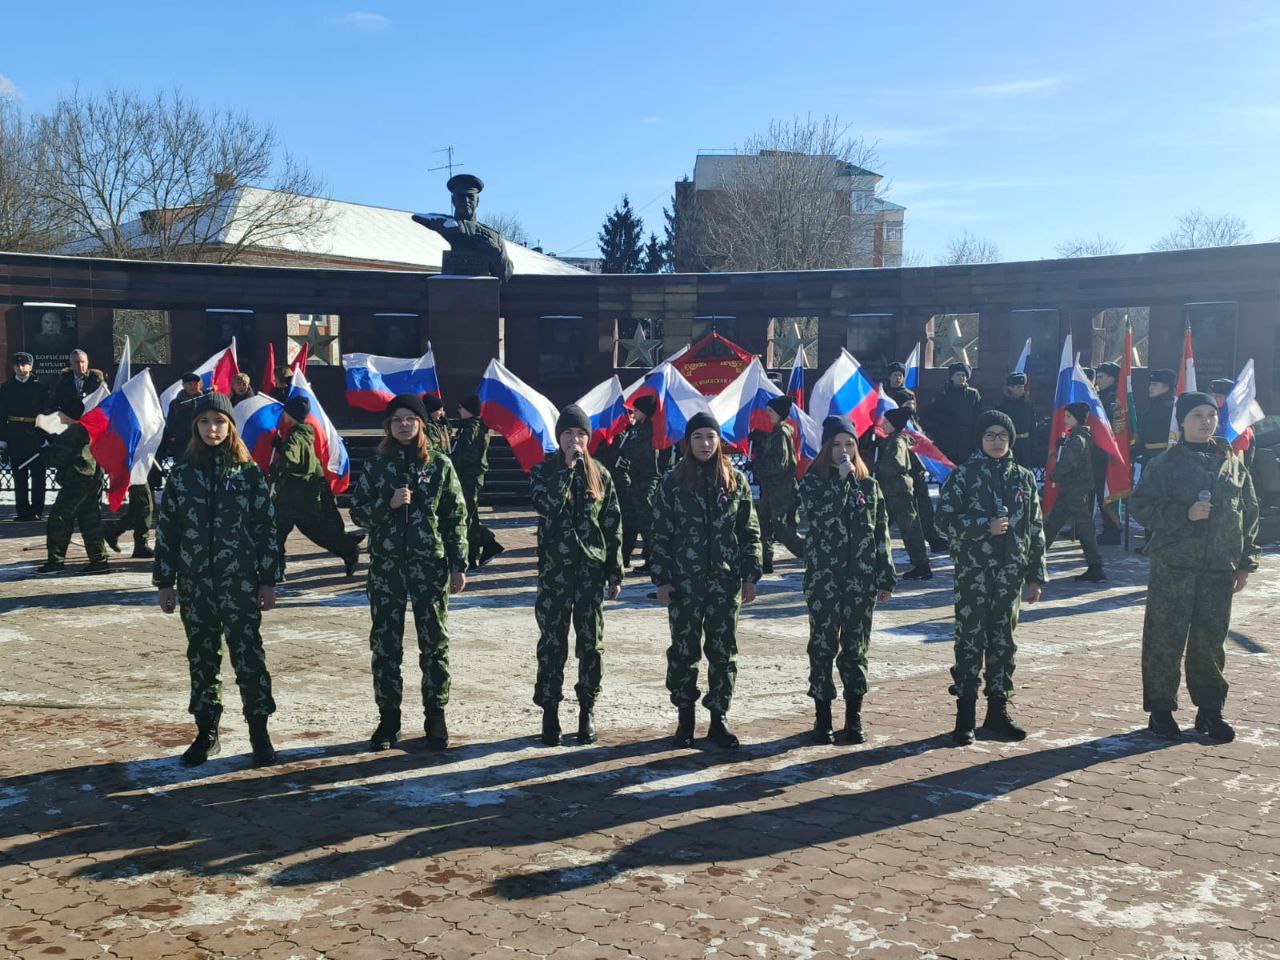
[[464, 325]]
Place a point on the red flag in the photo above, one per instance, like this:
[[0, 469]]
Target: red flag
[[1186, 381], [300, 361], [269, 374]]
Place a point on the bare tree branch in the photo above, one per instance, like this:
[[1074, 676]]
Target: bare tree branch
[[26, 222], [510, 226], [1098, 246], [969, 248], [1197, 229]]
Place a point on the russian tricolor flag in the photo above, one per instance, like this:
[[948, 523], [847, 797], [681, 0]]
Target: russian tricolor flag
[[1241, 411], [795, 382], [373, 381], [520, 413], [934, 460], [605, 406], [216, 374], [740, 407], [911, 380], [258, 423], [329, 446], [884, 403], [124, 434], [676, 398], [844, 391], [1074, 387], [1024, 360]]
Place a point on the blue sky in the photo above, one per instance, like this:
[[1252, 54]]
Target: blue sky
[[1017, 121]]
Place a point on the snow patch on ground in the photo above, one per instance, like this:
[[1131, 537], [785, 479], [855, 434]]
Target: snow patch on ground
[[11, 797]]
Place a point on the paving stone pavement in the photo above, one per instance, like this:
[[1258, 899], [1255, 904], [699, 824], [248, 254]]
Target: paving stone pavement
[[1089, 839]]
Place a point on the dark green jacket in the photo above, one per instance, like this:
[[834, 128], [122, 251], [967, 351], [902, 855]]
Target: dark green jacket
[[471, 452], [953, 420], [969, 501], [704, 534], [773, 455], [1172, 482], [439, 438], [570, 526], [636, 457], [297, 473], [1153, 427], [217, 529], [69, 452], [1073, 467], [432, 526], [848, 530], [894, 468]]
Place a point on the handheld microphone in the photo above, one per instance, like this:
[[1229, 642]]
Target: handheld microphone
[[1205, 496], [1002, 511]]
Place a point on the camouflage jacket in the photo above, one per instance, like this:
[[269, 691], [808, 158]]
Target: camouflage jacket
[[894, 467], [773, 455], [636, 457], [569, 525], [69, 452], [969, 501], [471, 451], [848, 530], [296, 471], [1172, 482], [217, 527], [439, 438], [706, 534], [432, 526], [1073, 465]]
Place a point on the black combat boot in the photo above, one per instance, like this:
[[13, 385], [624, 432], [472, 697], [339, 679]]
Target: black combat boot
[[436, 729], [966, 719], [206, 743], [684, 727], [95, 566], [998, 722], [1162, 724], [351, 561], [1092, 574], [51, 566], [822, 732], [490, 551], [263, 752], [387, 732], [941, 545], [551, 725], [719, 732], [142, 550], [586, 724], [919, 572], [1210, 723], [112, 539], [853, 732]]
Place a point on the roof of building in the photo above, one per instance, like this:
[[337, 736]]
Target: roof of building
[[353, 231]]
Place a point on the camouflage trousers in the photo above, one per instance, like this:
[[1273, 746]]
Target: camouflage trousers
[[1188, 611], [1076, 508], [569, 595], [323, 526], [839, 622], [210, 618], [777, 510], [76, 503], [393, 584], [137, 515], [704, 620], [903, 513], [636, 501], [478, 535], [987, 601]]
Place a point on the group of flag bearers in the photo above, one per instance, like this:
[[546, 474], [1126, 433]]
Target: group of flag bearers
[[219, 546]]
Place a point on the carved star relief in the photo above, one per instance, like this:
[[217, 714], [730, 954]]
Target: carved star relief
[[317, 345], [787, 340], [641, 350], [146, 345]]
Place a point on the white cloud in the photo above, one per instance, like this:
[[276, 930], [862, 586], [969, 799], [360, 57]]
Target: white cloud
[[363, 21], [1018, 88], [7, 89]]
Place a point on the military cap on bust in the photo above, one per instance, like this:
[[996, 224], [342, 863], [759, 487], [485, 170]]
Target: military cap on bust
[[23, 357], [461, 182], [895, 367], [1016, 380], [959, 367]]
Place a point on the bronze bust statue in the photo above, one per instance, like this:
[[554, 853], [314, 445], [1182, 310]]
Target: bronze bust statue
[[474, 249]]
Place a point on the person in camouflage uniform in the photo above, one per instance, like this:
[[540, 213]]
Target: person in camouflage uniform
[[636, 469], [773, 464], [471, 459], [80, 488], [302, 493], [894, 473], [437, 425], [579, 563], [409, 500], [990, 510], [137, 516], [217, 561], [895, 389], [1073, 473], [1197, 499], [848, 567], [705, 562]]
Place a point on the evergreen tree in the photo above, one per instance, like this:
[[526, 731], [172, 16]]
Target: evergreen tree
[[622, 240], [654, 257]]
